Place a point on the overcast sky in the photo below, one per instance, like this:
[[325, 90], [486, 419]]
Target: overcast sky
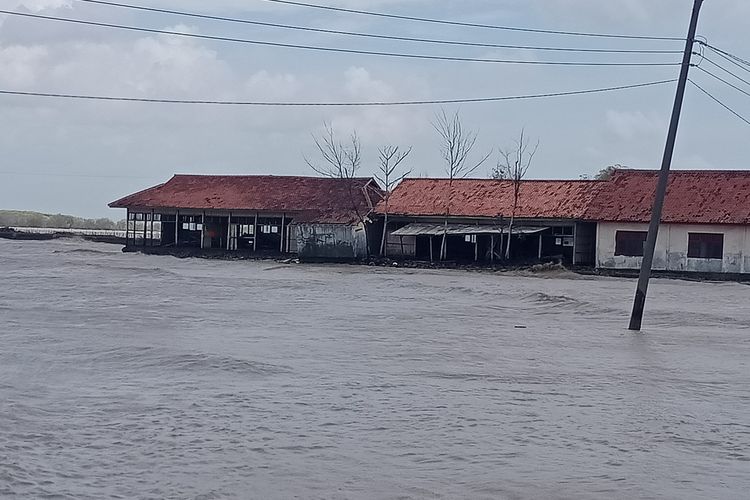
[[76, 156]]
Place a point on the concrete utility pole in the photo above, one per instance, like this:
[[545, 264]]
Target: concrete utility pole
[[661, 189]]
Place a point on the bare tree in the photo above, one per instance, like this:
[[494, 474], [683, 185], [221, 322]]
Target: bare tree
[[456, 148], [513, 165], [342, 160], [388, 176]]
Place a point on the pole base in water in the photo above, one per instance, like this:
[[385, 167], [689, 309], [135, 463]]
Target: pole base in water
[[636, 318]]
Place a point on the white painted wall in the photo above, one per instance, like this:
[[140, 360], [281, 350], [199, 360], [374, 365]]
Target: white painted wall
[[672, 248]]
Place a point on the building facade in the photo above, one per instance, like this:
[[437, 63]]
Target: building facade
[[307, 216], [705, 223], [474, 217]]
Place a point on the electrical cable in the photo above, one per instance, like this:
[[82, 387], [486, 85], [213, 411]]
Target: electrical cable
[[720, 103], [743, 65], [337, 104], [728, 54], [332, 49], [472, 25], [726, 70], [379, 36], [724, 81]]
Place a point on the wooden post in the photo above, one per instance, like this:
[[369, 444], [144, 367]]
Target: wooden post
[[283, 220], [540, 245], [401, 241], [176, 227], [203, 227], [476, 247], [145, 228], [255, 233], [229, 231], [492, 248], [152, 227], [575, 246], [431, 257], [127, 227]]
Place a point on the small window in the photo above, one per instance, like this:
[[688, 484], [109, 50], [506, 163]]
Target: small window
[[186, 226], [630, 243], [274, 229], [563, 231], [705, 246], [470, 238]]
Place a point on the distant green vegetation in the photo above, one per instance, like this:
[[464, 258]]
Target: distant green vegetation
[[16, 218]]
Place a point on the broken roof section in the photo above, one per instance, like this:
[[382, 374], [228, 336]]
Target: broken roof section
[[312, 199]]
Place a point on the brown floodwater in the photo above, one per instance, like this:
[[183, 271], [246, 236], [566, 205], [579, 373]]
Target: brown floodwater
[[132, 376]]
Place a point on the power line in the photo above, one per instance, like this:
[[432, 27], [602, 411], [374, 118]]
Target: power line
[[735, 60], [378, 35], [472, 25], [724, 81], [727, 54], [337, 104], [720, 103], [726, 70], [332, 49]]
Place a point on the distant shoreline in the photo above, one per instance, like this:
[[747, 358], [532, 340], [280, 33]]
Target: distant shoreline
[[115, 237]]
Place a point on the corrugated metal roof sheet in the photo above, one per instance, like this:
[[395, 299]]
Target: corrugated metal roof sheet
[[315, 199], [491, 198], [693, 197], [420, 229]]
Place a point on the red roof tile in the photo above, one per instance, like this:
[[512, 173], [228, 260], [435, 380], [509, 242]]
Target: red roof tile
[[693, 197], [312, 198], [492, 198]]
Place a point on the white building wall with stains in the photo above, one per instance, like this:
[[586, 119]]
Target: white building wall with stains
[[330, 241], [672, 248]]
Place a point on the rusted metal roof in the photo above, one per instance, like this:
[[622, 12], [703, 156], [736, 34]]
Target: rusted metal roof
[[421, 229], [313, 199], [693, 197], [491, 198]]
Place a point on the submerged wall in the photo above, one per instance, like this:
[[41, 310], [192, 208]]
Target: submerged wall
[[672, 248], [330, 241]]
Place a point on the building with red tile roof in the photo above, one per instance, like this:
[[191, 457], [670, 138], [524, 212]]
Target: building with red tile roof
[[309, 215], [603, 223], [705, 222], [705, 227]]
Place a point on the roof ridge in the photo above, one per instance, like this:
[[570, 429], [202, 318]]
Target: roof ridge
[[275, 176]]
